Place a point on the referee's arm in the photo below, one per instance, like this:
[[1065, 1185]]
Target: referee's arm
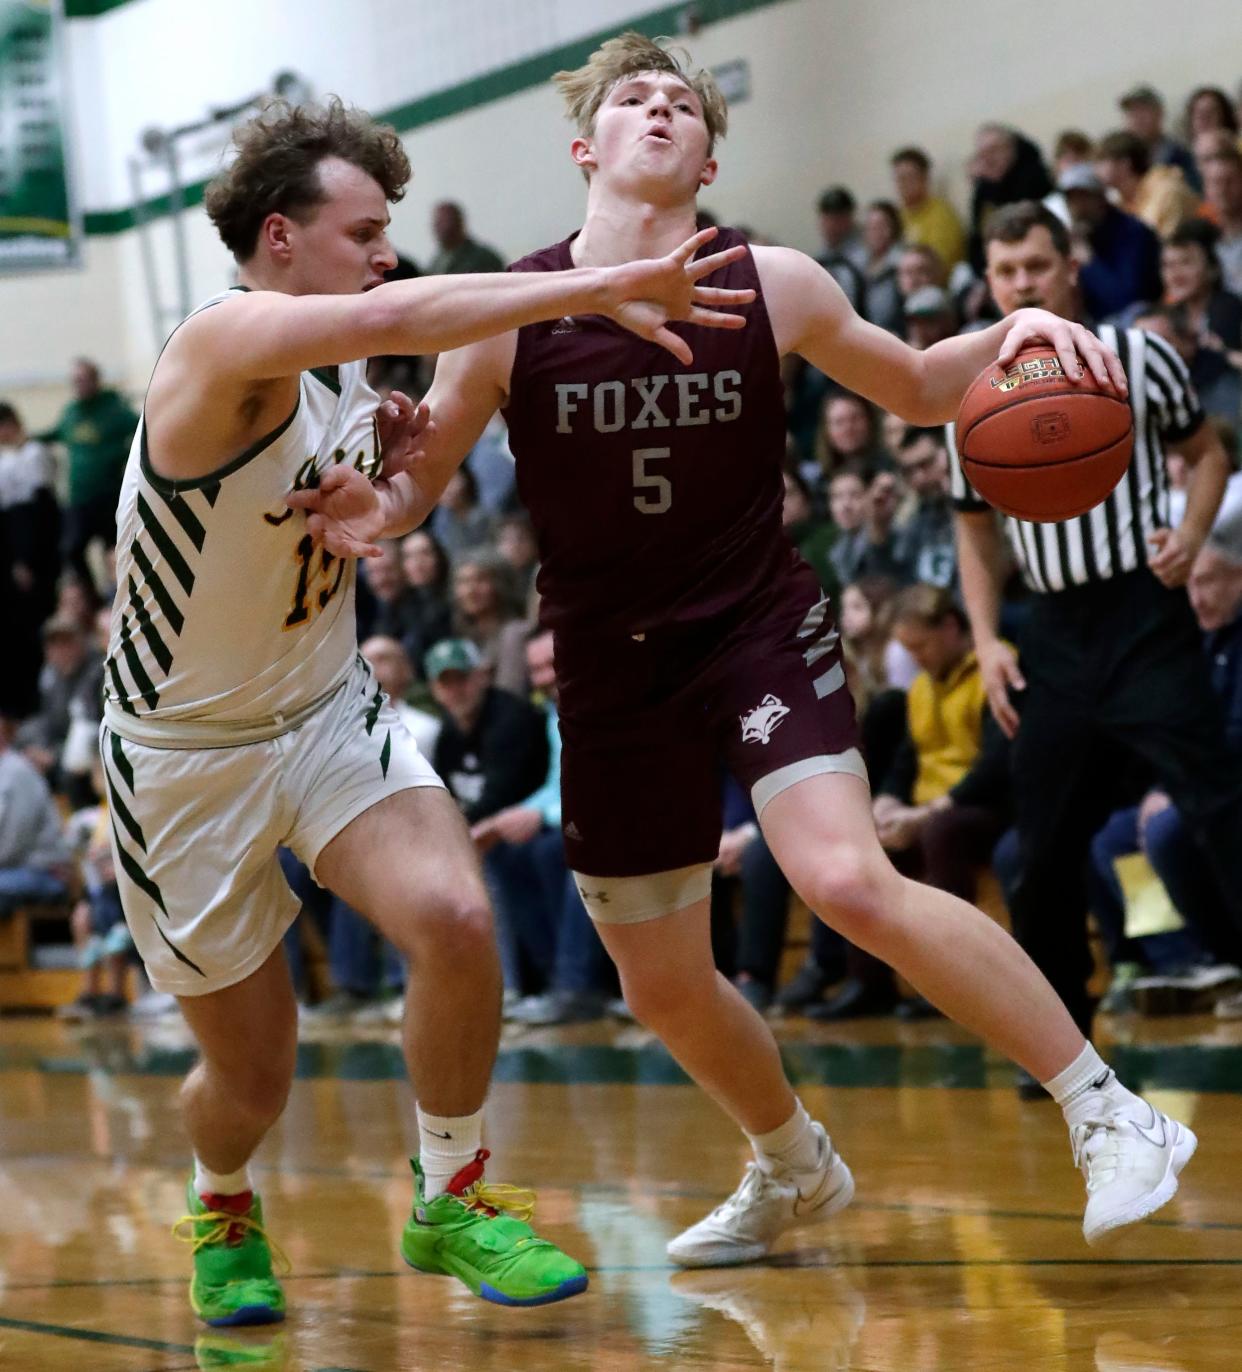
[[981, 571], [1174, 550]]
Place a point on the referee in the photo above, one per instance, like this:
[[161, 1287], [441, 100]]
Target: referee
[[1112, 669]]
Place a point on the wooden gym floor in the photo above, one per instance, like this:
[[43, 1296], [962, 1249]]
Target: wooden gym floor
[[962, 1252]]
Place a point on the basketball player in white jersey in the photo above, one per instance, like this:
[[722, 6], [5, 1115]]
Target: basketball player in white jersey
[[239, 715], [674, 638]]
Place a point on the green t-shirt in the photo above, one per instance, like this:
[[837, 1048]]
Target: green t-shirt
[[467, 257], [97, 433], [814, 541]]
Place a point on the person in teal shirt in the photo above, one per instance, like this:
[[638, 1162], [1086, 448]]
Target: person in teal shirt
[[96, 429]]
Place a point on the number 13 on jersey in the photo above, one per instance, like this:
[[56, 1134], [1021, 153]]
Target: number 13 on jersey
[[316, 584]]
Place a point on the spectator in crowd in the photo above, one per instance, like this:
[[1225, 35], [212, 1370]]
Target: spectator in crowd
[[1143, 109], [524, 858], [96, 428], [1212, 143], [1111, 661], [456, 251], [813, 537], [1006, 167], [492, 751], [943, 801], [460, 522], [29, 558], [34, 858], [394, 674], [491, 464], [1158, 195], [1118, 255], [386, 608], [100, 933], [849, 433], [70, 684], [426, 616], [1222, 187], [1072, 149], [930, 549], [876, 547], [515, 542], [926, 218], [882, 236], [918, 266], [1209, 110], [930, 317], [1227, 527], [847, 507], [484, 613], [492, 754], [1188, 973], [843, 255], [1201, 319]]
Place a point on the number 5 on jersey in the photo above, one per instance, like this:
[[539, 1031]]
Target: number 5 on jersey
[[653, 493], [315, 586]]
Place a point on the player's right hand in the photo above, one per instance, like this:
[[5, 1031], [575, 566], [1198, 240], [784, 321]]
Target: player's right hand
[[650, 293], [998, 665], [344, 513]]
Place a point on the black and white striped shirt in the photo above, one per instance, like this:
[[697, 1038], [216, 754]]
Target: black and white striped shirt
[[1112, 538]]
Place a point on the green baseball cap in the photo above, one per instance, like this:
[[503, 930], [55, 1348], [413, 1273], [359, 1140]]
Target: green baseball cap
[[451, 655]]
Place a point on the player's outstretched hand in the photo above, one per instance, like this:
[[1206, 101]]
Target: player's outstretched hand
[[344, 514], [1078, 348], [403, 429], [647, 294]]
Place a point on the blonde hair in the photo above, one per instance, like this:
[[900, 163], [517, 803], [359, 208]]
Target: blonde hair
[[586, 89]]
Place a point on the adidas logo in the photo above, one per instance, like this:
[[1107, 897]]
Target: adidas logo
[[565, 324]]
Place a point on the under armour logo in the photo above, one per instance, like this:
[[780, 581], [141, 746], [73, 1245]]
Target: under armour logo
[[599, 897], [572, 831], [757, 724]]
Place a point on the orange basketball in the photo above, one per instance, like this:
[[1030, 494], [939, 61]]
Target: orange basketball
[[1036, 445]]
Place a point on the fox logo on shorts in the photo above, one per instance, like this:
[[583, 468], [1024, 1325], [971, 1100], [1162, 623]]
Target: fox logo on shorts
[[758, 724]]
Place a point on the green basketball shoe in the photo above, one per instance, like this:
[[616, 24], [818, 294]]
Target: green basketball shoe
[[479, 1234], [232, 1282]]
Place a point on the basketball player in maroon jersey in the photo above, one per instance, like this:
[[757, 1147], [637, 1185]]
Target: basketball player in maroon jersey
[[688, 632]]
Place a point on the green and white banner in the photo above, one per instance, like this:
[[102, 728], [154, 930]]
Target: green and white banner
[[39, 228]]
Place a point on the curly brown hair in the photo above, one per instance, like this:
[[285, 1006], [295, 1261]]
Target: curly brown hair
[[276, 169]]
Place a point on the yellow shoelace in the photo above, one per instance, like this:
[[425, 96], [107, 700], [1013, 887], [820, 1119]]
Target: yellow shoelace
[[517, 1201], [222, 1221]]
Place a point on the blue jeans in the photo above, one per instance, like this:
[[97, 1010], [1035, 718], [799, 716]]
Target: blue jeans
[[359, 960], [1175, 858], [28, 885], [547, 939]]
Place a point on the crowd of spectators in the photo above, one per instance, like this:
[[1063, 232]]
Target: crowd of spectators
[[448, 617]]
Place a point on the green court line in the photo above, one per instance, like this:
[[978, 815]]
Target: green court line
[[960, 1065], [67, 1331], [442, 104]]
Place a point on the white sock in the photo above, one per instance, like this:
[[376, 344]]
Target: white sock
[[793, 1147], [209, 1183], [446, 1143], [1086, 1087]]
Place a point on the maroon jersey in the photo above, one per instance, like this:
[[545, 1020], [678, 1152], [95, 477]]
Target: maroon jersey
[[655, 488]]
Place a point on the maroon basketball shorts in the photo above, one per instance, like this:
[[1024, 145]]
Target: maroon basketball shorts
[[649, 724]]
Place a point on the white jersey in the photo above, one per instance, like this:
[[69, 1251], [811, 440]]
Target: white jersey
[[229, 627]]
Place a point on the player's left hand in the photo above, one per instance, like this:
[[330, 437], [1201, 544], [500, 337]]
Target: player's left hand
[[649, 293], [1078, 348], [1175, 552], [344, 512], [403, 428]]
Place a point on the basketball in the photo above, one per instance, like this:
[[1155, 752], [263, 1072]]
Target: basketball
[[1038, 446]]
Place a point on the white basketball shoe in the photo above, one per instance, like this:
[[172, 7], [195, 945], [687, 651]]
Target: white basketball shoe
[[1130, 1158], [765, 1206]]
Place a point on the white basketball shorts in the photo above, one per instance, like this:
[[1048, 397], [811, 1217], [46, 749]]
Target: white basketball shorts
[[195, 831]]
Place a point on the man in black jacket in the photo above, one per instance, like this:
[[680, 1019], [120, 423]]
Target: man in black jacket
[[493, 749]]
